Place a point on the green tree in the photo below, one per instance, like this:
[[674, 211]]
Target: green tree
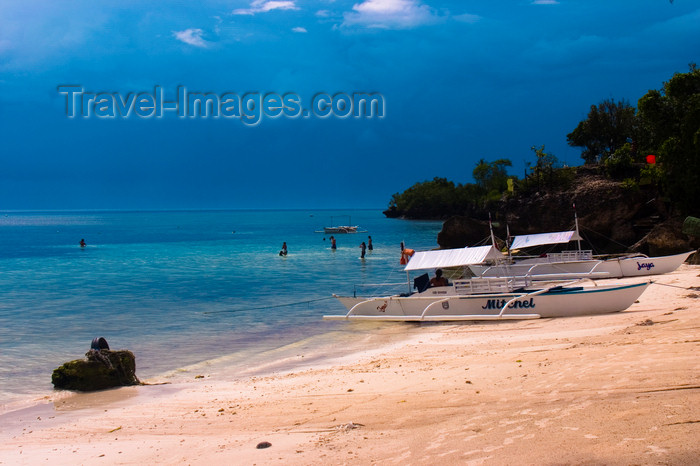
[[545, 162], [543, 170], [606, 129], [620, 164], [492, 177], [426, 199], [670, 118]]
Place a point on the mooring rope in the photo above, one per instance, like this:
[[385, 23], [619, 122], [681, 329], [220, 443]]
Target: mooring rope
[[308, 301], [690, 288], [588, 230]]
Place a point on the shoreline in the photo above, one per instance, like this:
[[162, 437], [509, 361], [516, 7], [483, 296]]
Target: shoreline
[[321, 349], [178, 294], [614, 388]]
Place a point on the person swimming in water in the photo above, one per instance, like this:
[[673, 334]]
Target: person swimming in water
[[82, 243]]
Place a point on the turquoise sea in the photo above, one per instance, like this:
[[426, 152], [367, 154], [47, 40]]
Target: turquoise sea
[[192, 292]]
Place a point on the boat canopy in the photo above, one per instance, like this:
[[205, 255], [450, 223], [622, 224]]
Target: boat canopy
[[528, 241], [452, 257]]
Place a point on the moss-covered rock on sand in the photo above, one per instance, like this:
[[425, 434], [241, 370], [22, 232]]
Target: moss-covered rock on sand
[[101, 369]]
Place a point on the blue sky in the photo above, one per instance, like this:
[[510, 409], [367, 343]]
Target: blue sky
[[460, 81]]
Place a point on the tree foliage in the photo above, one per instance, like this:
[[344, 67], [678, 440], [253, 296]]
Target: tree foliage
[[422, 199], [492, 177], [546, 174], [621, 163], [665, 124], [545, 165], [607, 127], [670, 118], [440, 198]]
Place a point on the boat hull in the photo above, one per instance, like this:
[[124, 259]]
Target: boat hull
[[563, 302], [340, 229], [643, 266]]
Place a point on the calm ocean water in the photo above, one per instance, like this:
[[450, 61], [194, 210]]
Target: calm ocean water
[[187, 292]]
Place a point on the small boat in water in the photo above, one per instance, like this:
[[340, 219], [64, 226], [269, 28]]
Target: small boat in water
[[339, 229], [487, 298]]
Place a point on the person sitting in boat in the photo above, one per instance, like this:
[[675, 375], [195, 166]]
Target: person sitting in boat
[[438, 279]]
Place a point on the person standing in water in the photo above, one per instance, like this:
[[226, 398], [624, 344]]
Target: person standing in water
[[82, 243], [369, 243], [283, 252], [363, 246], [333, 243]]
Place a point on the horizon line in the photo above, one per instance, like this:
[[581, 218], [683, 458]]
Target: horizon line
[[239, 209]]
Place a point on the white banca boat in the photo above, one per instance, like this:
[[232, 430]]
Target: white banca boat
[[570, 264], [488, 298], [339, 229]]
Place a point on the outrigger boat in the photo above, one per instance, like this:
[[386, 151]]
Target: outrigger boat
[[583, 262], [576, 262], [342, 228], [481, 298]]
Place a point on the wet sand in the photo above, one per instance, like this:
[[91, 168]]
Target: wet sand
[[614, 389]]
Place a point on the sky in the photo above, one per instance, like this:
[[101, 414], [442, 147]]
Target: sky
[[452, 82]]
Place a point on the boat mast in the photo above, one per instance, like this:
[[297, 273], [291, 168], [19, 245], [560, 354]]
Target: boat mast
[[508, 242], [493, 238], [578, 241]]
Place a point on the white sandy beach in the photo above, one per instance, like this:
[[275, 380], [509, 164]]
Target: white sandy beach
[[614, 389]]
